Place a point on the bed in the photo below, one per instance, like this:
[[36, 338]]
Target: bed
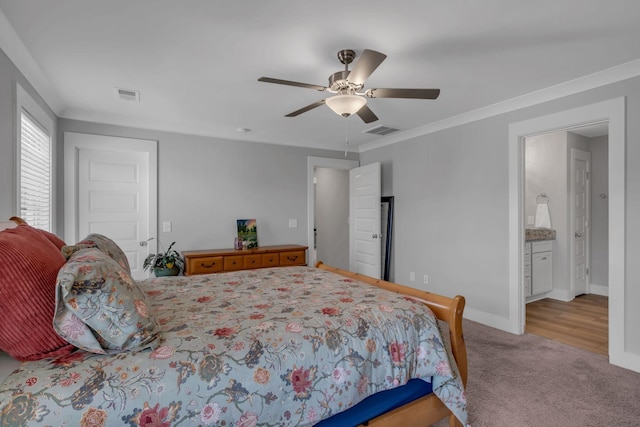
[[284, 346]]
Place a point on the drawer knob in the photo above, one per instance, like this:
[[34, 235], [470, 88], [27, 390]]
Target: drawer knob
[[292, 258], [202, 264]]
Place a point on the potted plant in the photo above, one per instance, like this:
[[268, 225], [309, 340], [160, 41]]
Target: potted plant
[[167, 263]]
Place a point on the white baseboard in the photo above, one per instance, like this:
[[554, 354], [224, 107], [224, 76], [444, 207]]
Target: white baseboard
[[625, 360], [599, 289], [563, 295], [488, 319]]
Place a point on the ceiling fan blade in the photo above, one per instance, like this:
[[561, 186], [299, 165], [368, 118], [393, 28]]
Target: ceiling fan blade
[[307, 108], [366, 114], [366, 64], [404, 93], [290, 83]]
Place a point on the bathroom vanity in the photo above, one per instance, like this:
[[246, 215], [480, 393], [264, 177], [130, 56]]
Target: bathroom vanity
[[538, 261]]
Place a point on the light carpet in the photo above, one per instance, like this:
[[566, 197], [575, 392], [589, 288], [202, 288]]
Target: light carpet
[[528, 380]]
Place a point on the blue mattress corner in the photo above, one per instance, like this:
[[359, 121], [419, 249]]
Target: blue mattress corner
[[378, 404]]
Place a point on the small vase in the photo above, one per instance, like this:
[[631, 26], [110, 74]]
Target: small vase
[[160, 272]]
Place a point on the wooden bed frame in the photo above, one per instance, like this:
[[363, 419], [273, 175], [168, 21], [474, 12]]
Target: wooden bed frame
[[428, 409]]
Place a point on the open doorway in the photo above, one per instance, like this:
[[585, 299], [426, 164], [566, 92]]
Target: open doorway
[[314, 163], [563, 170], [331, 227], [614, 112]]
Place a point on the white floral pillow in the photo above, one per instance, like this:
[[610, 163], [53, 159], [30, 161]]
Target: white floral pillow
[[100, 308], [103, 243]]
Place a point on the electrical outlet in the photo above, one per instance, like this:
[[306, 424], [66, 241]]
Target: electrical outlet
[[426, 279], [293, 223], [530, 220], [412, 276], [166, 226]]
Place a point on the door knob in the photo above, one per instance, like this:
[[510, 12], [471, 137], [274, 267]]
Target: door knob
[[578, 235], [144, 242]]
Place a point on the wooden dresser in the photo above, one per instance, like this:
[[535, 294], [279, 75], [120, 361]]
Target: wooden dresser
[[220, 260]]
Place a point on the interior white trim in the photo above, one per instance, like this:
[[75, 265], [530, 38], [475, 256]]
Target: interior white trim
[[613, 111], [312, 163], [599, 290], [581, 84]]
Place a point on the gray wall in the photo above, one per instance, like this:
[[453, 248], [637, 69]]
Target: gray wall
[[332, 216], [452, 205], [546, 172], [205, 184]]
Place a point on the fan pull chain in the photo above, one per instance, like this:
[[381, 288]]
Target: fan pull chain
[[346, 136]]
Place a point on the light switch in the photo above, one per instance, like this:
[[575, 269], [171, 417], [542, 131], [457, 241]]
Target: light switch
[[530, 220], [293, 223], [166, 226]]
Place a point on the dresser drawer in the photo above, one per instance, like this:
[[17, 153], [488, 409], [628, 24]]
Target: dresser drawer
[[292, 258], [219, 260], [252, 261], [232, 263], [270, 260], [204, 265]]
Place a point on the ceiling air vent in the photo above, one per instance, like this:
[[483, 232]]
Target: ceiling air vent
[[128, 94], [381, 130]]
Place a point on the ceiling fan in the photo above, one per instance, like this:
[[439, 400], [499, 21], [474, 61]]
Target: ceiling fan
[[348, 85]]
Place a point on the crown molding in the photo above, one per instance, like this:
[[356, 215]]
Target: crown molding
[[18, 53], [590, 81]]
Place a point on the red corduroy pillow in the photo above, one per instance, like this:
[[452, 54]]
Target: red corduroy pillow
[[58, 242], [28, 271]]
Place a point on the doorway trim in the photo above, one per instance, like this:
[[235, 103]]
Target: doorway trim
[[312, 163], [614, 112]]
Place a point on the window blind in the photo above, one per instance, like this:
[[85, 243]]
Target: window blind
[[35, 173]]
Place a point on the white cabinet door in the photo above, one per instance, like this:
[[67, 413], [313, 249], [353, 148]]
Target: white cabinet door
[[541, 272], [527, 269]]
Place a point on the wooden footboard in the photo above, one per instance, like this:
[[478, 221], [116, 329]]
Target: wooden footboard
[[428, 409]]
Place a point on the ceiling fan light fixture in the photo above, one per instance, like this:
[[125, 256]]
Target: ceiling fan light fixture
[[346, 105]]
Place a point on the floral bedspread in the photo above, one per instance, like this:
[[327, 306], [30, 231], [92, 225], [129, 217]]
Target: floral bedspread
[[282, 346]]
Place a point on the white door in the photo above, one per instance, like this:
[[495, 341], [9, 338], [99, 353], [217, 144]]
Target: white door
[[364, 226], [110, 189], [580, 196]]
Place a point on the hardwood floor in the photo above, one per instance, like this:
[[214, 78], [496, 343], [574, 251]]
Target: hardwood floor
[[582, 323]]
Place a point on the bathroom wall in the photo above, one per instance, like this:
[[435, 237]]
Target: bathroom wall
[[547, 163], [546, 172]]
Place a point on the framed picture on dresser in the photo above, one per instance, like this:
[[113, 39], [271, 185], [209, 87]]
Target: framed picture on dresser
[[248, 232]]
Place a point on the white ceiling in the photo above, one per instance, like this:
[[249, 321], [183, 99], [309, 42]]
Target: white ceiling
[[196, 62]]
